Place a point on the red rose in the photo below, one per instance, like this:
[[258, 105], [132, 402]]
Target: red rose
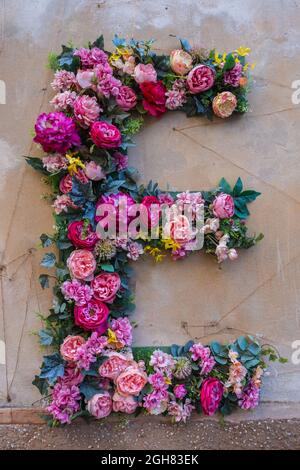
[[82, 235], [92, 316], [154, 97], [105, 135]]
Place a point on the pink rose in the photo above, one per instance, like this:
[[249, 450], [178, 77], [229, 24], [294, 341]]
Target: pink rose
[[85, 78], [105, 135], [81, 235], [81, 264], [181, 62], [86, 110], [131, 381], [112, 367], [93, 171], [224, 104], [152, 215], [124, 404], [92, 316], [69, 347], [223, 206], [180, 229], [65, 185], [200, 78], [211, 395], [100, 405], [105, 286], [145, 73], [126, 98]]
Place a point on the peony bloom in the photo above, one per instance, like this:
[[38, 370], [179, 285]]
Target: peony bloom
[[85, 78], [72, 376], [100, 405], [121, 160], [200, 78], [181, 62], [54, 163], [92, 316], [93, 171], [211, 395], [91, 57], [166, 198], [131, 381], [86, 110], [224, 104], [69, 347], [123, 404], [154, 97], [126, 98], [175, 99], [232, 77], [80, 233], [56, 132], [81, 264], [75, 290], [63, 80], [116, 363], [123, 331], [180, 391], [223, 206], [211, 225], [106, 286], [152, 206], [179, 229], [66, 184], [144, 73], [105, 135], [63, 101], [62, 203]]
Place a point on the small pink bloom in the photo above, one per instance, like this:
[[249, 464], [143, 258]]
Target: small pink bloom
[[126, 98], [200, 78], [123, 331], [81, 264], [63, 101], [65, 185], [135, 250], [55, 162], [77, 291], [93, 171], [123, 404], [223, 206], [224, 104], [145, 73], [180, 391], [85, 78], [121, 160], [63, 80], [211, 395], [232, 254], [232, 77], [86, 110], [62, 203], [106, 286], [100, 405], [69, 347], [180, 411]]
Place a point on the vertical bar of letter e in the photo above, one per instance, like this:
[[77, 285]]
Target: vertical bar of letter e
[[2, 92], [2, 353]]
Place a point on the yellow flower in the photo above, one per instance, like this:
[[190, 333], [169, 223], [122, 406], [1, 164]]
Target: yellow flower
[[155, 252], [219, 60], [168, 381], [170, 244], [243, 51], [111, 337], [74, 163], [249, 66]]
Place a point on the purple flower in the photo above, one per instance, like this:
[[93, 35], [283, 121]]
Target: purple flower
[[232, 77], [56, 132], [65, 402], [203, 355], [135, 249], [121, 160], [180, 391], [162, 362], [180, 411], [250, 397], [75, 290], [123, 331], [158, 381], [91, 57], [156, 402]]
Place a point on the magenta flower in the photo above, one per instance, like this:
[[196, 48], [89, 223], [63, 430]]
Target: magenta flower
[[91, 57], [123, 331], [158, 381], [250, 397], [63, 80], [180, 391], [75, 290], [232, 77], [121, 160], [65, 402], [56, 132]]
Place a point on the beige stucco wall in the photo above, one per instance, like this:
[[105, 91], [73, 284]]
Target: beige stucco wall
[[257, 294]]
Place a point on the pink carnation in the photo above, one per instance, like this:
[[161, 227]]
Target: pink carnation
[[107, 85], [180, 411], [75, 290], [65, 402], [62, 203], [161, 361], [135, 250], [63, 101], [86, 110], [126, 98], [63, 80], [54, 163], [91, 57]]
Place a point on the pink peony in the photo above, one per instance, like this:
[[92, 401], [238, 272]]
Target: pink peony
[[126, 98], [85, 78], [69, 347], [211, 395], [91, 57], [181, 62], [175, 99], [131, 381], [92, 316], [80, 233], [223, 206], [86, 110], [152, 206], [123, 404], [100, 405], [54, 163], [81, 264], [63, 101], [123, 331], [112, 367], [105, 135], [224, 104], [75, 290], [65, 184], [56, 132], [93, 171], [62, 204], [200, 78], [145, 73], [180, 230], [106, 286], [63, 80]]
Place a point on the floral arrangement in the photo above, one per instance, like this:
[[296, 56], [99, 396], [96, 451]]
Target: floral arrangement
[[100, 102]]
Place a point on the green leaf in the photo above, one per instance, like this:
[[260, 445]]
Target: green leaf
[[249, 195], [242, 342], [46, 337], [48, 260], [52, 368], [37, 164], [99, 42], [44, 281], [41, 385], [107, 267], [238, 187], [229, 62], [225, 186], [89, 390]]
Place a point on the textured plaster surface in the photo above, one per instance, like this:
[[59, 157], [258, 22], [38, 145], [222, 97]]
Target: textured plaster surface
[[259, 293]]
